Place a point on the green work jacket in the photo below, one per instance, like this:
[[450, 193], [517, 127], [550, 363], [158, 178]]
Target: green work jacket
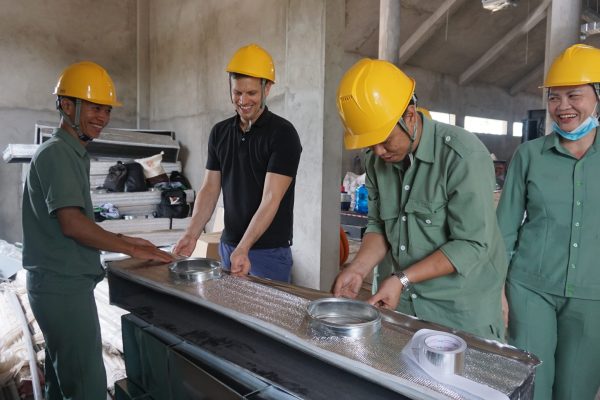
[[443, 201], [58, 177], [549, 218]]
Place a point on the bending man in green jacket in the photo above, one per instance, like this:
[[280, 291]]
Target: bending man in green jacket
[[430, 205]]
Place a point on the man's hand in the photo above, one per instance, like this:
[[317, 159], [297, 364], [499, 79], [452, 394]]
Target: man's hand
[[240, 263], [347, 284], [388, 295], [145, 250], [150, 253], [185, 246]]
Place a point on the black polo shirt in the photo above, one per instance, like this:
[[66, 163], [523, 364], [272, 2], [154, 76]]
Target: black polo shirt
[[271, 145]]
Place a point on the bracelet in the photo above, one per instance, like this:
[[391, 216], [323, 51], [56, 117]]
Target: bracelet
[[406, 283]]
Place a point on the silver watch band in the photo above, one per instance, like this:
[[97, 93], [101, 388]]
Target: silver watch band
[[406, 283]]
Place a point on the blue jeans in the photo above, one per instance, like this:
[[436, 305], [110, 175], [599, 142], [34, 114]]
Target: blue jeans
[[274, 263]]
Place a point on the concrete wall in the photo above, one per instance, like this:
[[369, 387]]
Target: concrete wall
[[38, 39], [177, 51]]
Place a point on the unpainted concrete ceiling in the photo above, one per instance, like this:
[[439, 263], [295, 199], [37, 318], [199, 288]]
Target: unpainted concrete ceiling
[[460, 38]]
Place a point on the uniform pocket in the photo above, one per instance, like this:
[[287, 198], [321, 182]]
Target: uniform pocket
[[427, 214], [427, 226]]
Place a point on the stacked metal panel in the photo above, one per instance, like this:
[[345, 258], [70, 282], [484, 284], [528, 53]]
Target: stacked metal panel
[[124, 143]]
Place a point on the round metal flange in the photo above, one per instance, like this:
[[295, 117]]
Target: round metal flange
[[344, 317], [195, 269]]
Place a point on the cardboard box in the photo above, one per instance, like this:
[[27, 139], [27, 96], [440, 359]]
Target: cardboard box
[[207, 246]]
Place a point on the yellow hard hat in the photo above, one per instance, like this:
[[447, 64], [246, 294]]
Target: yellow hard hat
[[252, 60], [424, 111], [371, 98], [577, 65], [87, 80]]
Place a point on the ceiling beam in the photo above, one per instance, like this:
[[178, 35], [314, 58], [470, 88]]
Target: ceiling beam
[[425, 30], [494, 52], [531, 76], [589, 15]]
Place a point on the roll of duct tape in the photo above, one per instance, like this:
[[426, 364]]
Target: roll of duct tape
[[442, 356], [443, 353]]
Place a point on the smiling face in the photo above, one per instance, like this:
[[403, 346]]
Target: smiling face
[[93, 117], [246, 96], [570, 106]]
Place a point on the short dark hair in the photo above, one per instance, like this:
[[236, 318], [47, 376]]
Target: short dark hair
[[237, 75]]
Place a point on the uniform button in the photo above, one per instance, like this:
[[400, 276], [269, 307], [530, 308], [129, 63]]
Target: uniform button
[[403, 248], [576, 223], [578, 203], [404, 218], [448, 138], [427, 221], [406, 187], [414, 296], [574, 244], [572, 265], [243, 139]]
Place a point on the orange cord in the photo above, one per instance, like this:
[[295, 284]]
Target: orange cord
[[344, 247]]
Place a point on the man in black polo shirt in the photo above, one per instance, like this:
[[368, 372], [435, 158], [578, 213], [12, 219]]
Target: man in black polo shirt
[[253, 157]]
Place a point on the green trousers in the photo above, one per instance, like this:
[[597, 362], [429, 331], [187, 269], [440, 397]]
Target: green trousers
[[73, 368], [564, 333]]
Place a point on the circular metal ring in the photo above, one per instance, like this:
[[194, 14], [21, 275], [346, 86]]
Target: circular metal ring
[[344, 317]]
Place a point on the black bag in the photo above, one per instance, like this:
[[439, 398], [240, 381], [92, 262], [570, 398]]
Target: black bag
[[179, 181], [136, 182], [173, 204], [115, 180]]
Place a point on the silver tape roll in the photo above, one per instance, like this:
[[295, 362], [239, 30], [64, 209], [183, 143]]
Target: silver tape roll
[[443, 352], [442, 356]]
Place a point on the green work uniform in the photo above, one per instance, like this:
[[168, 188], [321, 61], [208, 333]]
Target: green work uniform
[[443, 201], [548, 215], [62, 273]]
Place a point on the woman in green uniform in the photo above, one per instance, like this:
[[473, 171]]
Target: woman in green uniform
[[549, 218]]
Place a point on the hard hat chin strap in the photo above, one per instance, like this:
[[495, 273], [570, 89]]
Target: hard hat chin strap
[[263, 100], [404, 127], [596, 87], [76, 126]]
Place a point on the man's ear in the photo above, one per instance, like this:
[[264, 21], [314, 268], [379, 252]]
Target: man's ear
[[66, 105], [410, 114], [268, 88]]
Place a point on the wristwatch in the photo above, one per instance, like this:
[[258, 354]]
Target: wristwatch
[[406, 283]]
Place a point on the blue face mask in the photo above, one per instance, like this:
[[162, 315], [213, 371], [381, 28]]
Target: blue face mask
[[586, 127]]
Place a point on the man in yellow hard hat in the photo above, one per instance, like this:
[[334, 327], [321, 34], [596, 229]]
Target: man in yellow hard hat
[[61, 241], [253, 157], [430, 205]]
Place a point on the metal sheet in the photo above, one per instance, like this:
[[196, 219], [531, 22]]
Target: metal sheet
[[124, 143], [279, 310], [19, 153]]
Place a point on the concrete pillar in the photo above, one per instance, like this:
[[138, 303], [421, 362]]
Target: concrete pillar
[[563, 24], [314, 52], [143, 65], [389, 30]]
